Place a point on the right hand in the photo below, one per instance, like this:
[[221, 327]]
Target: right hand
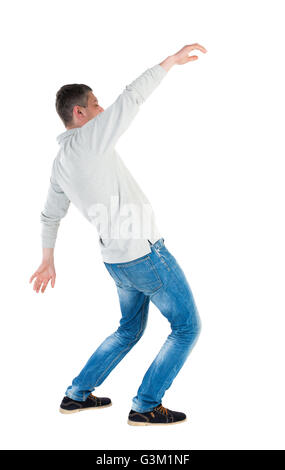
[[44, 273], [182, 57]]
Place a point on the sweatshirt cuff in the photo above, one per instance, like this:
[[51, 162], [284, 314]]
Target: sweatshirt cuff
[[160, 70], [48, 243]]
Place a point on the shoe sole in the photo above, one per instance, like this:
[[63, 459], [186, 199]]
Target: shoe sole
[[68, 412], [134, 423]]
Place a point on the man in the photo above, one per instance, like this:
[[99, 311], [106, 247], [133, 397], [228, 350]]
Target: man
[[89, 172]]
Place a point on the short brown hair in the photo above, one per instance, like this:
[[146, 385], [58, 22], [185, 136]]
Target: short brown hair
[[69, 96]]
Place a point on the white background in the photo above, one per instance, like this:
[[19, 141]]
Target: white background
[[207, 148]]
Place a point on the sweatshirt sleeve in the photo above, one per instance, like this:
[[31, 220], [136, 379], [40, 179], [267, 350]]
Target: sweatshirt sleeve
[[102, 132], [55, 208]]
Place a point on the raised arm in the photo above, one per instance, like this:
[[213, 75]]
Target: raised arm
[[102, 132]]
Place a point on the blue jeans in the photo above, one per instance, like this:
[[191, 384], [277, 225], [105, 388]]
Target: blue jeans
[[158, 277]]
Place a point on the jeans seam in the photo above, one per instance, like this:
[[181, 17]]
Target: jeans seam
[[165, 263], [173, 370], [143, 316], [161, 257], [121, 352], [196, 312], [177, 279]]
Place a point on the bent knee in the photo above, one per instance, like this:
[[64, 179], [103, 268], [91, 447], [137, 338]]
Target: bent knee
[[198, 326], [194, 327], [191, 324], [132, 336]]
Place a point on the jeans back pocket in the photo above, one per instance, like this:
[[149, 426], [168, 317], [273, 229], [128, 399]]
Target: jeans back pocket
[[142, 274]]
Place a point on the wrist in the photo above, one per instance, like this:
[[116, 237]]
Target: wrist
[[168, 62], [48, 255]]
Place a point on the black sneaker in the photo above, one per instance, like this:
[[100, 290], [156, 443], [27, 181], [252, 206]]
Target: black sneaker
[[158, 416], [72, 406]]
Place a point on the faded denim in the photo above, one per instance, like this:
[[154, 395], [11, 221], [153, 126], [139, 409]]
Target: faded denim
[[155, 277]]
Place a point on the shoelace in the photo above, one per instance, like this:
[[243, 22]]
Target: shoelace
[[162, 409], [92, 396]]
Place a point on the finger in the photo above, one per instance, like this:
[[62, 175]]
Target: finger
[[33, 276], [37, 285], [44, 286], [201, 48], [198, 47], [192, 57], [52, 281]]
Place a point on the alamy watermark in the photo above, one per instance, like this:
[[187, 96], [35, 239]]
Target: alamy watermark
[[129, 220]]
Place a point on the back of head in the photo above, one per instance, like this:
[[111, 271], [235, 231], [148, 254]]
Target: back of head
[[69, 96]]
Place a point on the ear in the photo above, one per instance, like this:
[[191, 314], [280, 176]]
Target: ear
[[77, 110]]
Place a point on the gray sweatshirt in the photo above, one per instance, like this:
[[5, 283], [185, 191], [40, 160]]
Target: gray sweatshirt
[[89, 172]]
